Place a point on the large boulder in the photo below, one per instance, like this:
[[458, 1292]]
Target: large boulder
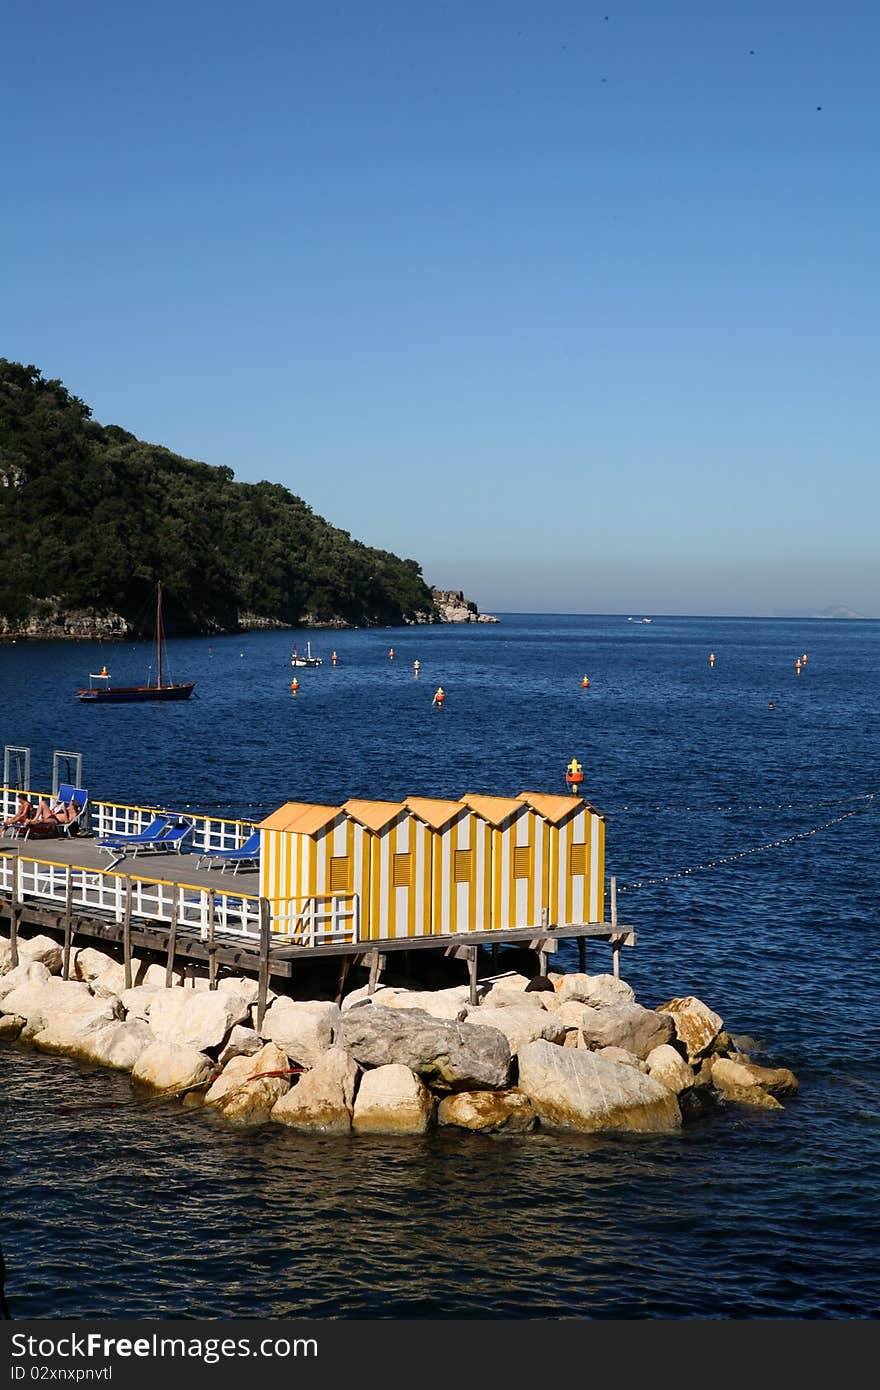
[[118, 1044], [322, 1100], [487, 1111], [10, 1026], [598, 990], [439, 1003], [171, 1069], [696, 1025], [728, 1074], [520, 1024], [668, 1066], [448, 1056], [195, 1019], [392, 1100], [303, 1029], [244, 1092], [630, 1026], [89, 962], [242, 1042], [53, 1001], [575, 1089], [27, 972], [33, 948], [69, 1022]]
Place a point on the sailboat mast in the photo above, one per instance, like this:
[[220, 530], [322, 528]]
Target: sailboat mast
[[159, 629]]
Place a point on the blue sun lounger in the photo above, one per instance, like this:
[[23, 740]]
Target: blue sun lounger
[[247, 853], [161, 835]]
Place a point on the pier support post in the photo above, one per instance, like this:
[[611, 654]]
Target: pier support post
[[263, 979], [15, 918], [472, 973], [126, 934], [68, 926], [615, 942], [377, 962], [212, 946], [172, 940], [582, 955]]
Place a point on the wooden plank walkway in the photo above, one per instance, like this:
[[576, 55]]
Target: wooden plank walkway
[[243, 954]]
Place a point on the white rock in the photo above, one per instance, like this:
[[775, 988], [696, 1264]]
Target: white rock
[[27, 972], [668, 1066], [575, 1089], [304, 1029], [195, 1018], [170, 1068], [392, 1100], [88, 963], [520, 1025], [242, 1042], [34, 948], [117, 1045], [242, 1094], [439, 1003], [138, 1001], [598, 990], [322, 1099]]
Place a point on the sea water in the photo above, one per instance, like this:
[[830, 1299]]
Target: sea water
[[743, 837]]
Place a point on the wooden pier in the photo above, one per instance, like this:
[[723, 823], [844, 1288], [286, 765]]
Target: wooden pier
[[210, 944]]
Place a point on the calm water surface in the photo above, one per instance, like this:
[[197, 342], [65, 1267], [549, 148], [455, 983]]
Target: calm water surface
[[117, 1207]]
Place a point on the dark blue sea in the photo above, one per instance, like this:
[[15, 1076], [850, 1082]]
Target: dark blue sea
[[745, 845]]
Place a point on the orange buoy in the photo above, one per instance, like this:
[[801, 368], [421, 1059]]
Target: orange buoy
[[417, 666], [390, 653], [333, 658], [439, 696], [574, 775], [711, 658], [797, 665], [294, 685], [585, 682]]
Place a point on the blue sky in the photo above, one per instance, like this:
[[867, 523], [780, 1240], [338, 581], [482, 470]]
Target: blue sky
[[574, 303]]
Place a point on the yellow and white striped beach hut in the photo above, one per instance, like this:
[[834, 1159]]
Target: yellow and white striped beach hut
[[310, 851], [571, 857], [461, 853], [396, 901], [516, 865]]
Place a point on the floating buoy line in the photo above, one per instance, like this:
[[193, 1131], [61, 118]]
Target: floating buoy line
[[743, 853]]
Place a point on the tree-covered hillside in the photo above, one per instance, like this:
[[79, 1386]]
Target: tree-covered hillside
[[91, 518]]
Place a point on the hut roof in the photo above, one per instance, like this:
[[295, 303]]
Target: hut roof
[[494, 809], [375, 815], [303, 817], [434, 810], [554, 807]]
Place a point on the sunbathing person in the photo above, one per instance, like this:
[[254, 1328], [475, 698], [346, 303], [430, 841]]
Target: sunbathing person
[[24, 813]]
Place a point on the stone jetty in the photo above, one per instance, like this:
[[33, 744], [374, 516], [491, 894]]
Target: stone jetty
[[557, 1052]]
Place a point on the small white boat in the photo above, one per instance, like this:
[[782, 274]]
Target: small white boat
[[297, 659]]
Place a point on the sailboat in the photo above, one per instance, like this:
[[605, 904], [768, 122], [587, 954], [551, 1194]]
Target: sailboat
[[297, 659], [105, 693]]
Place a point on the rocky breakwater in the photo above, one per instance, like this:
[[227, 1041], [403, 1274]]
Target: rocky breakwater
[[562, 1052]]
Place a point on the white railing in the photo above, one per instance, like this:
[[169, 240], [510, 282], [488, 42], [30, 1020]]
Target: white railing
[[106, 893], [318, 920]]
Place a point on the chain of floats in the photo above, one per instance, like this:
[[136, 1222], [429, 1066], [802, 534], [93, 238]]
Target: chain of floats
[[755, 849]]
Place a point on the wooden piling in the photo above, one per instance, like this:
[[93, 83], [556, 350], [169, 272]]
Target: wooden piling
[[472, 973], [68, 926], [172, 942], [15, 916], [212, 944], [263, 978], [126, 934], [582, 955], [615, 940], [377, 963]]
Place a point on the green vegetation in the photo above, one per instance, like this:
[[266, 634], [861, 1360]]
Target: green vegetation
[[91, 518]]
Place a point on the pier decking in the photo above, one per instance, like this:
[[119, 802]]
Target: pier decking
[[38, 892]]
